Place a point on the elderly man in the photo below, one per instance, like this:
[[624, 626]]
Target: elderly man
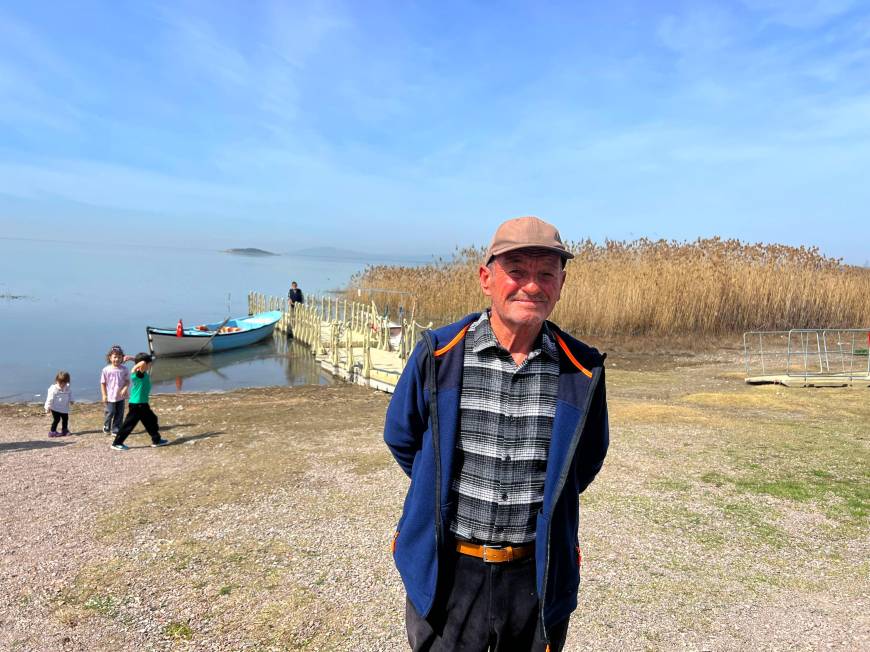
[[500, 421]]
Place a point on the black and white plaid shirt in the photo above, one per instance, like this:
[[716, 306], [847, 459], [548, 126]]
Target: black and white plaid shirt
[[506, 419]]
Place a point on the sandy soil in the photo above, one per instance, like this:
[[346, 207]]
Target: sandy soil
[[726, 518]]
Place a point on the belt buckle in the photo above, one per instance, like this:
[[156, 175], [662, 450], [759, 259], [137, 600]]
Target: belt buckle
[[507, 551]]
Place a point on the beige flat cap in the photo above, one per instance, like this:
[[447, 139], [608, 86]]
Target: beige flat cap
[[526, 233]]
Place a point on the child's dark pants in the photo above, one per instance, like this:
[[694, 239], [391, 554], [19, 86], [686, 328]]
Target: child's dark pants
[[59, 417], [139, 412], [114, 416]]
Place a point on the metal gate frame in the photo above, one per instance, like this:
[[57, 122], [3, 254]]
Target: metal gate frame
[[816, 352]]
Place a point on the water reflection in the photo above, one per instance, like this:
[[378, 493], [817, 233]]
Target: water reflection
[[277, 361]]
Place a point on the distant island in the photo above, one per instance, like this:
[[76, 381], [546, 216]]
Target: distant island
[[249, 251]]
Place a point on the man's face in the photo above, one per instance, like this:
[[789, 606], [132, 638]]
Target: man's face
[[524, 286]]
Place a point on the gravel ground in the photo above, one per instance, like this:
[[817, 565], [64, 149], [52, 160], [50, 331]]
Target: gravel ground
[[726, 518]]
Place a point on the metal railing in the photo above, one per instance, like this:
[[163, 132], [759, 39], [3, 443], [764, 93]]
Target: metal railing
[[808, 352], [329, 325]]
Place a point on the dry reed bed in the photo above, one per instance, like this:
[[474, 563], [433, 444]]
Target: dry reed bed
[[710, 286]]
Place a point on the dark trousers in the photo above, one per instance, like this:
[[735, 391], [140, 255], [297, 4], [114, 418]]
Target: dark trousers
[[484, 607], [59, 417], [114, 416], [139, 412]]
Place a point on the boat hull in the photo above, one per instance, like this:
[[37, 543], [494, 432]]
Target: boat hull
[[164, 342]]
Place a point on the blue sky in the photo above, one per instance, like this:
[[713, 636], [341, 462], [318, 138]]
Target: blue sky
[[418, 126]]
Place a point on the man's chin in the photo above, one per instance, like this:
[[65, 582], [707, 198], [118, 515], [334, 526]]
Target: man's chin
[[528, 318]]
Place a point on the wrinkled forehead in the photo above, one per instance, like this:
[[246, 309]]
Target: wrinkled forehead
[[530, 254]]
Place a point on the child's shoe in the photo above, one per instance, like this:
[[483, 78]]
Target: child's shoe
[[53, 433], [65, 433], [105, 430], [120, 447], [160, 442]]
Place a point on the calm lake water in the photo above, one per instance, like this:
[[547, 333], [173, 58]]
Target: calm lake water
[[79, 299]]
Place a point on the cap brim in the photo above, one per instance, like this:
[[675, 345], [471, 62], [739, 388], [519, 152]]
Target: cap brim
[[564, 253]]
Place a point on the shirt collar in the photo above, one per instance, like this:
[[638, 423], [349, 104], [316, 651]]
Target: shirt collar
[[483, 338]]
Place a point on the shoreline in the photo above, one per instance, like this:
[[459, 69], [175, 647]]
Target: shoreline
[[623, 352], [164, 395]]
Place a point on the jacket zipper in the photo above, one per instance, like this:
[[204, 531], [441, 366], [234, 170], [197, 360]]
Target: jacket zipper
[[436, 444], [560, 484]]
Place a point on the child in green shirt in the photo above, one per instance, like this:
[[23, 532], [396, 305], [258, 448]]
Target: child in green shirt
[[139, 410]]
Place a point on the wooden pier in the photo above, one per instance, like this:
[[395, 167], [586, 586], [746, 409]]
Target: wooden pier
[[351, 340]]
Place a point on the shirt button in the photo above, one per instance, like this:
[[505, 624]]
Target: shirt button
[[507, 458], [504, 496]]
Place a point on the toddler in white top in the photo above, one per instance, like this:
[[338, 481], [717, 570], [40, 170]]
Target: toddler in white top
[[57, 402]]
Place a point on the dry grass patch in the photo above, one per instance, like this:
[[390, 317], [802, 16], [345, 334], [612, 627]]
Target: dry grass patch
[[645, 412], [232, 545]]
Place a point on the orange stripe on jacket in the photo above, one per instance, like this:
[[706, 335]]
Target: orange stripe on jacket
[[444, 349], [571, 356]]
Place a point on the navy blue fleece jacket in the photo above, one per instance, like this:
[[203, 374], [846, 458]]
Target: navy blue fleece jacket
[[421, 429]]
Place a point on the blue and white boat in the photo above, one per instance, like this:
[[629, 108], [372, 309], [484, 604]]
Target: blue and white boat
[[207, 338]]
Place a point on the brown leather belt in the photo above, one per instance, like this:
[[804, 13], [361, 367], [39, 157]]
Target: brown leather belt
[[495, 555]]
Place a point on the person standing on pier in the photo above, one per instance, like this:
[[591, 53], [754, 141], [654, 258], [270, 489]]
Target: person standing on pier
[[500, 421], [294, 295]]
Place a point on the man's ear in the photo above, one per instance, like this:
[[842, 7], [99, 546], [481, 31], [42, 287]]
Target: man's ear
[[485, 274]]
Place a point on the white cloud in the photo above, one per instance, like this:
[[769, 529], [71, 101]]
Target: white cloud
[[194, 45], [800, 14], [703, 28], [123, 187], [31, 72]]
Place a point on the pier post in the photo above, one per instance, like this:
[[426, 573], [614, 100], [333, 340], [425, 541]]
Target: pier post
[[349, 362]]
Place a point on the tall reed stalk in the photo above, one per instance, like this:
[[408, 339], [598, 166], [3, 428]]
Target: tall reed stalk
[[710, 286]]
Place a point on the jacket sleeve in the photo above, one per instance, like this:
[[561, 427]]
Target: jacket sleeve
[[408, 413], [595, 440], [49, 397]]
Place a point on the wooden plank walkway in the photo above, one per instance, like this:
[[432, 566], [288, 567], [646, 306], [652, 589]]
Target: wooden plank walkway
[[350, 340]]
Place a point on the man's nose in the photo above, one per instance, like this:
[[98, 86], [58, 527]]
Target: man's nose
[[532, 286]]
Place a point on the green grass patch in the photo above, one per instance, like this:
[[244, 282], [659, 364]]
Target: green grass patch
[[843, 497], [754, 522], [105, 605], [676, 486], [178, 631], [790, 489]]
